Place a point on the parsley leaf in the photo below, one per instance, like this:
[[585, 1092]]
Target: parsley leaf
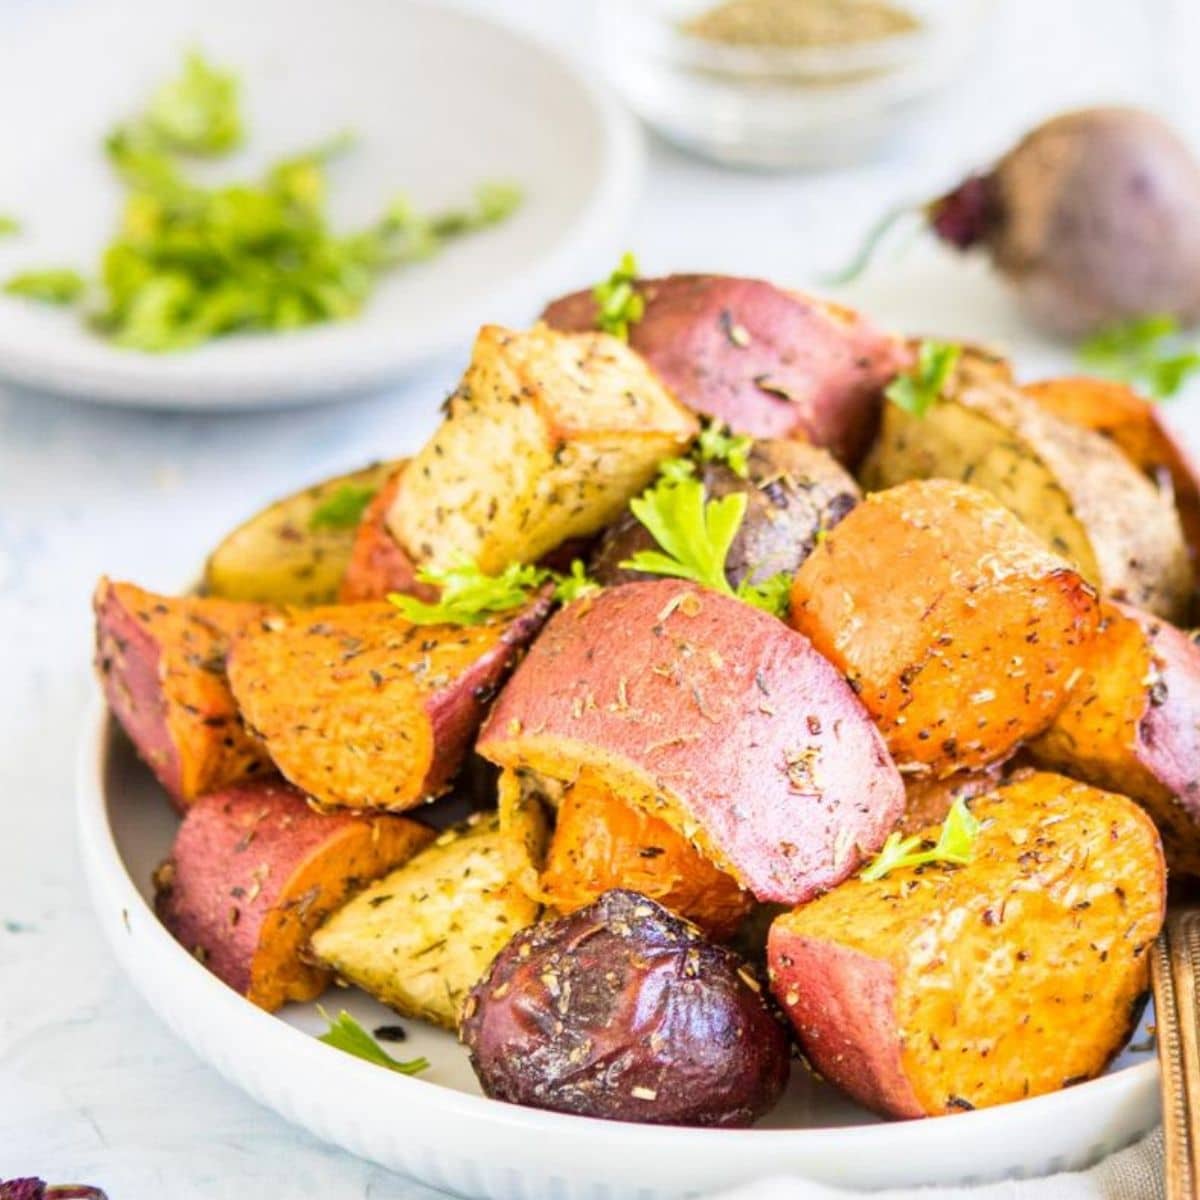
[[1149, 351], [917, 391], [9, 225], [619, 304], [198, 113], [718, 444], [343, 509], [346, 1034], [773, 595], [955, 845], [51, 286], [575, 584]]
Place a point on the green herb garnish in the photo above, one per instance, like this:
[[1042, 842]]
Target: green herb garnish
[[342, 510], [618, 303], [718, 444], [955, 845], [52, 286], [198, 113], [575, 584], [9, 226], [1148, 351], [917, 391], [346, 1034]]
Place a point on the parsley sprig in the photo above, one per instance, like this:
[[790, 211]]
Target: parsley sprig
[[346, 1034], [955, 845], [618, 303], [343, 509], [717, 443], [51, 285], [1149, 351], [916, 391], [10, 226]]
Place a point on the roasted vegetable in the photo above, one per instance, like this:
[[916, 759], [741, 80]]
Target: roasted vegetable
[[941, 989], [377, 566], [420, 937], [712, 716], [161, 661], [928, 800], [1069, 485], [765, 361], [958, 631], [622, 1011], [1132, 723], [254, 870], [296, 550], [547, 438], [363, 709]]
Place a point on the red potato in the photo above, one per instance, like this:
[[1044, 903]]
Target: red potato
[[161, 661], [378, 564], [254, 870], [714, 717], [768, 362]]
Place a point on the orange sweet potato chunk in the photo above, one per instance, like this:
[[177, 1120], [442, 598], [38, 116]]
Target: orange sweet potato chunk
[[378, 564]]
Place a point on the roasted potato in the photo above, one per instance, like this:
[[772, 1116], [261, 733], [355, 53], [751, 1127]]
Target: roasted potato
[[547, 438], [957, 629], [793, 492], [1132, 724], [712, 716], [1070, 485], [254, 870], [363, 709], [296, 550], [767, 362], [161, 661], [622, 1011], [377, 565], [939, 989], [419, 938], [927, 800]]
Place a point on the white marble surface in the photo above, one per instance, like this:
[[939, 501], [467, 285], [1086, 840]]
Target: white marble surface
[[91, 1087]]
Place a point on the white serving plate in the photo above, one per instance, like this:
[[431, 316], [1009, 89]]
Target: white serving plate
[[438, 1127], [439, 99]]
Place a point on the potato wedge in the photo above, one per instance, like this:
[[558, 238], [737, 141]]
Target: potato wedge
[[296, 550], [940, 989], [254, 870], [768, 362], [363, 709], [1132, 724], [1070, 485], [958, 630], [419, 938], [713, 717], [547, 438], [161, 661]]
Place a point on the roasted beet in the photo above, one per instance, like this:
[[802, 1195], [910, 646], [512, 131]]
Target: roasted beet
[[623, 1011]]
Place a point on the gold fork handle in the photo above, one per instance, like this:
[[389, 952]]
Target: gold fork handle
[[1175, 966]]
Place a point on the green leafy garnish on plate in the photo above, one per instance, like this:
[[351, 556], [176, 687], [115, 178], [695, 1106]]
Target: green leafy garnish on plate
[[346, 1034], [618, 302], [344, 509], [955, 846], [916, 391], [1148, 351], [718, 444], [54, 285], [9, 225], [197, 113]]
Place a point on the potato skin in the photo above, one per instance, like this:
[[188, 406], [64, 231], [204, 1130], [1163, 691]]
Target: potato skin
[[254, 869], [1062, 900], [767, 362], [712, 716], [622, 1011], [161, 661], [958, 630], [377, 565], [1132, 724], [793, 491]]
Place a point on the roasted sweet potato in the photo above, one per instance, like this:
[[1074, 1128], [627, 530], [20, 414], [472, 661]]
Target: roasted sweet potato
[[1132, 723], [600, 843], [363, 709], [767, 362], [419, 938], [377, 565], [295, 551], [939, 989], [712, 716], [254, 870], [793, 491], [1071, 486], [547, 438], [958, 630], [161, 661], [622, 1011]]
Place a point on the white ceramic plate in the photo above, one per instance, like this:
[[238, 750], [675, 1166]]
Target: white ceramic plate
[[439, 99], [438, 1127]]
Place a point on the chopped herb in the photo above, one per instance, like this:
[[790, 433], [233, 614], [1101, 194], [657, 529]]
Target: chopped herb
[[1148, 351], [345, 1033], [9, 226], [773, 595], [51, 286], [675, 469], [344, 509], [717, 443], [917, 391], [575, 584], [955, 845], [198, 113], [618, 303]]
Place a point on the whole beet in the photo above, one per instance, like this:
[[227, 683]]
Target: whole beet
[[1094, 216], [623, 1011]]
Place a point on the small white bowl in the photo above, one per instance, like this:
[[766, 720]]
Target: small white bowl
[[439, 99]]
